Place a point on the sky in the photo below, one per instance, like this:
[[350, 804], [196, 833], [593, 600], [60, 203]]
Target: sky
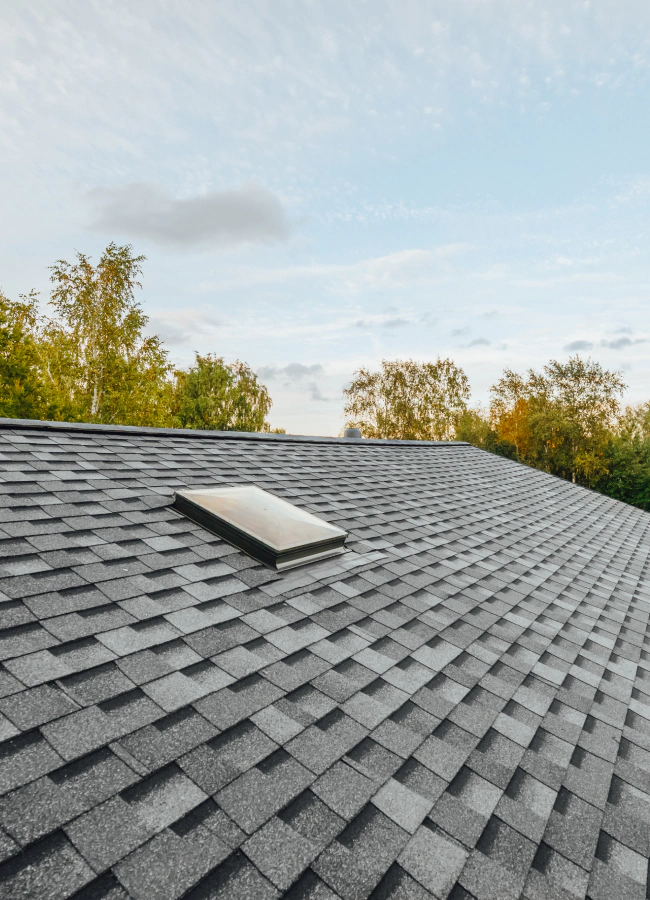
[[318, 186]]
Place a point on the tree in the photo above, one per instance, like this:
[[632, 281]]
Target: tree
[[560, 420], [473, 426], [222, 397], [627, 456], [23, 393], [100, 364], [509, 412], [407, 400]]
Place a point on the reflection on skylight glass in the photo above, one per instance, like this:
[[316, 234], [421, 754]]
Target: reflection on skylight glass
[[263, 525]]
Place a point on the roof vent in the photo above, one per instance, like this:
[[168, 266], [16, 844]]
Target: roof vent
[[352, 433], [264, 526]]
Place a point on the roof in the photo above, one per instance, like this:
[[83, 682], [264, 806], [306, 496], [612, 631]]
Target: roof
[[457, 707]]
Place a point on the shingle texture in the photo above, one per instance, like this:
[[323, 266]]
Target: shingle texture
[[459, 707]]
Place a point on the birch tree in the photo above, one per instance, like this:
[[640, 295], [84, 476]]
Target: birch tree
[[100, 364], [407, 400]]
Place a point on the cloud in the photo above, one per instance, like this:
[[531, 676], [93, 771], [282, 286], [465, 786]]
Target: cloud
[[315, 394], [636, 193], [579, 345], [620, 343], [147, 210], [184, 326], [616, 344], [293, 372], [459, 332], [169, 332], [479, 342], [294, 375], [396, 322]]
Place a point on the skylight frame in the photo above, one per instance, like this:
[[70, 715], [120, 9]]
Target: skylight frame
[[279, 558]]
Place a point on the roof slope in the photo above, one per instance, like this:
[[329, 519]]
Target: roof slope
[[459, 707]]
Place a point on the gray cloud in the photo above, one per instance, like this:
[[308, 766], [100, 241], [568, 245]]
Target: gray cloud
[[315, 394], [146, 210], [621, 342], [616, 344], [579, 345], [479, 342], [459, 332], [293, 372]]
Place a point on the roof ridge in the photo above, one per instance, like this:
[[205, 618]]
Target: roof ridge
[[90, 427]]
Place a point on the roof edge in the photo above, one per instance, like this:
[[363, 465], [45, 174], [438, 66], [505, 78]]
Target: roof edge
[[94, 428]]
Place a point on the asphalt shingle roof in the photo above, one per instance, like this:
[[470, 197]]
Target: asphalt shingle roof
[[458, 707]]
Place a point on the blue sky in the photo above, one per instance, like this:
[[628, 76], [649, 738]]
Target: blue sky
[[320, 185]]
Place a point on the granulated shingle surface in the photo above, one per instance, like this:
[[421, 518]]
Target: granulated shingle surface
[[459, 707]]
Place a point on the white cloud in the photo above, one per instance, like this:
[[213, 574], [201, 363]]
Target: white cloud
[[169, 332], [635, 193], [413, 266]]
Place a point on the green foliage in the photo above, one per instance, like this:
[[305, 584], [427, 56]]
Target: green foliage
[[101, 365], [567, 420], [23, 393], [407, 400], [559, 420], [474, 427], [627, 455], [93, 362], [215, 395]]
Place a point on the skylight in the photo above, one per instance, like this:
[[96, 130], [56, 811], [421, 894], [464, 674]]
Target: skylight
[[266, 527]]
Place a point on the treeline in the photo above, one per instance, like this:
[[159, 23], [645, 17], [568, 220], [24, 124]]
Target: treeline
[[566, 420], [92, 361]]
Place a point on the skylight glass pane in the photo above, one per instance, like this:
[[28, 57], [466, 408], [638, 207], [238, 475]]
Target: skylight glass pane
[[263, 525]]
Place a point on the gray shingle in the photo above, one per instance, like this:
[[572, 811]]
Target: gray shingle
[[252, 798], [356, 861], [110, 831], [171, 863], [50, 870], [28, 709], [43, 805], [434, 860], [235, 879], [279, 852], [24, 758]]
